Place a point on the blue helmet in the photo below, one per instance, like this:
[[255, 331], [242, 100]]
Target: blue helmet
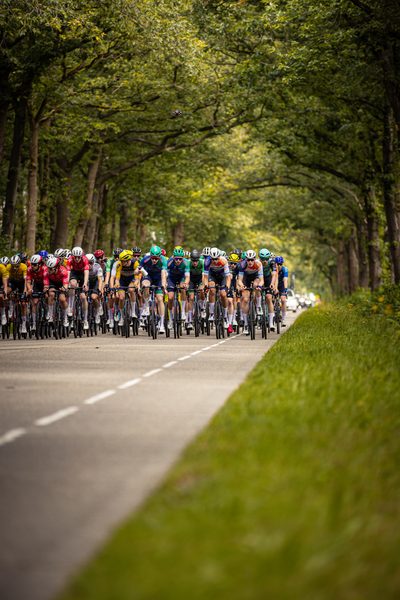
[[279, 260], [44, 254]]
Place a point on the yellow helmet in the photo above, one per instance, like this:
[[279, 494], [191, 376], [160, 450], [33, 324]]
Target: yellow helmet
[[233, 258], [178, 248], [126, 255]]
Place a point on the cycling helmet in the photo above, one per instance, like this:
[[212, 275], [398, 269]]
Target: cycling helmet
[[233, 257], [99, 254], [136, 250], [36, 259], [77, 251], [155, 251], [5, 260], [178, 252], [215, 253], [279, 260], [53, 262], [59, 253], [44, 254], [117, 252], [178, 248], [195, 255], [237, 251], [163, 253], [15, 260], [24, 257], [67, 254], [264, 254], [91, 257], [243, 255], [126, 255], [222, 253], [206, 251], [251, 255]]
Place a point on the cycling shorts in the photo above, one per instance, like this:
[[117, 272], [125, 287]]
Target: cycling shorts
[[16, 285], [248, 279], [37, 287], [55, 285], [174, 281], [79, 276], [218, 278], [154, 279], [195, 281], [267, 280], [94, 285], [125, 281], [281, 288]]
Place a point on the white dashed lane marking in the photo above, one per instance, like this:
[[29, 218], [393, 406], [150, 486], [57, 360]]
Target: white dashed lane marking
[[127, 384], [12, 435], [153, 372], [60, 414], [101, 396], [173, 362]]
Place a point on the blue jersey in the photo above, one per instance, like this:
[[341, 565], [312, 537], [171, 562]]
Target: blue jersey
[[178, 269], [153, 268], [284, 272]]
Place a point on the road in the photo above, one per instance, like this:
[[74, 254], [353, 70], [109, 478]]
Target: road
[[88, 428]]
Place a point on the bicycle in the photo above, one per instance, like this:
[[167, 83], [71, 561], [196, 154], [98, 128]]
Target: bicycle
[[277, 313], [177, 313], [198, 322], [251, 317], [264, 316], [218, 315], [77, 316]]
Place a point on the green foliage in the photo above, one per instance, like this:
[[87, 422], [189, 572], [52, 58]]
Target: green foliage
[[384, 302], [291, 492]]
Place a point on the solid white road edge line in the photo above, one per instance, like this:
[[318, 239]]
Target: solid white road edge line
[[98, 397], [123, 386], [12, 435], [153, 372], [60, 414]]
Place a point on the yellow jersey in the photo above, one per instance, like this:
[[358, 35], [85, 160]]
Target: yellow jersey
[[127, 270], [17, 274], [3, 273]]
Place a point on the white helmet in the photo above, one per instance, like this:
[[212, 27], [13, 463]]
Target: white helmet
[[77, 251], [250, 255], [206, 251], [53, 262], [59, 252], [36, 259], [67, 253], [15, 260], [5, 260], [222, 252], [91, 257], [215, 253]]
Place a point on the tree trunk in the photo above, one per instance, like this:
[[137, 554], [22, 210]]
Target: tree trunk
[[353, 268], [178, 233], [14, 166], [123, 225], [63, 212], [390, 191], [33, 189], [374, 260], [91, 182], [102, 228], [362, 253], [113, 231], [342, 270], [3, 122], [53, 227], [90, 232]]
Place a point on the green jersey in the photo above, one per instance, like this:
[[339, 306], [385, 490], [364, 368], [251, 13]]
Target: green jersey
[[110, 263], [199, 270]]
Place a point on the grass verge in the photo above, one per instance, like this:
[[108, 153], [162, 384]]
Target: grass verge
[[293, 491]]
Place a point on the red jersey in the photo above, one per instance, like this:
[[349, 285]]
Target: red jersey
[[61, 275], [40, 276], [82, 265]]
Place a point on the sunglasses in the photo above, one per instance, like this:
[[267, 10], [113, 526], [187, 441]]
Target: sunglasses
[[136, 255], [215, 259], [155, 257], [251, 259], [178, 258]]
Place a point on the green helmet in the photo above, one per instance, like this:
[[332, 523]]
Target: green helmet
[[264, 254], [179, 252], [155, 251], [243, 255]]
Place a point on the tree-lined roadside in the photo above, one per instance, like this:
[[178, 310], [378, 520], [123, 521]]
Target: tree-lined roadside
[[293, 489]]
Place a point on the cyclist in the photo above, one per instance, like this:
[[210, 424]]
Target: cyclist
[[283, 275], [24, 258], [95, 284], [109, 282], [137, 255], [101, 260], [206, 252], [78, 272], [125, 279], [37, 279], [234, 260], [57, 280], [196, 267], [216, 270], [17, 272], [270, 281], [154, 270], [178, 275], [250, 274], [3, 289]]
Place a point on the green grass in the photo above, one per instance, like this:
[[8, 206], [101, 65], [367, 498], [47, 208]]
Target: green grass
[[292, 492]]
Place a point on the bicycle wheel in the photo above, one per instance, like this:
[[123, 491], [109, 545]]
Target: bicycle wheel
[[153, 317], [127, 323], [264, 328], [16, 329], [166, 319], [177, 319], [217, 318], [208, 324], [251, 320], [196, 319], [238, 317]]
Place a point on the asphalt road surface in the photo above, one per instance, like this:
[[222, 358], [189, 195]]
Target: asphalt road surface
[[88, 428]]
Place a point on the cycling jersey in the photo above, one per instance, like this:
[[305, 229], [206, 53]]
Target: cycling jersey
[[18, 274], [126, 270], [180, 269], [270, 267], [38, 276], [284, 272], [3, 273], [109, 265], [254, 269], [60, 276], [95, 272], [196, 271], [153, 268], [82, 265], [217, 268]]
